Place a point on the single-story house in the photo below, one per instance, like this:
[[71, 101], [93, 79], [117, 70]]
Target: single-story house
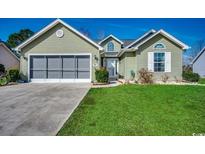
[[60, 53], [8, 58], [198, 63]]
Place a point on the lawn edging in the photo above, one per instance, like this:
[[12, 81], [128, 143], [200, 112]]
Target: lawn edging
[[61, 124]]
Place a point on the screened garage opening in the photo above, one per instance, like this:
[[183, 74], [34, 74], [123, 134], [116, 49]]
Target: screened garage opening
[[73, 67]]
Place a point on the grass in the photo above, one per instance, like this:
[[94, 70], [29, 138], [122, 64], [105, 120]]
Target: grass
[[202, 81], [139, 110]]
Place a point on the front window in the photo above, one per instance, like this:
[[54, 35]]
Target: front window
[[159, 46], [110, 46], [159, 62]]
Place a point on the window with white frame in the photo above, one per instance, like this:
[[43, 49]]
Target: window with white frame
[[159, 62], [159, 46], [110, 46]]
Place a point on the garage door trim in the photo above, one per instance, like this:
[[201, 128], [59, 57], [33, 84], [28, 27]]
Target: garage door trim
[[59, 80]]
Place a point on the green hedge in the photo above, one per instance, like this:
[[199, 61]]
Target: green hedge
[[190, 76], [14, 75], [202, 81], [102, 75]]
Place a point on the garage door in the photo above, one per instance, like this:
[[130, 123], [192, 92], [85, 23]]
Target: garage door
[[69, 68]]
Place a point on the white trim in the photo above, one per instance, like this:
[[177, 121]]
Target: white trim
[[172, 38], [125, 50], [151, 31], [59, 80], [115, 38], [197, 56], [150, 61], [9, 50], [19, 47], [168, 62]]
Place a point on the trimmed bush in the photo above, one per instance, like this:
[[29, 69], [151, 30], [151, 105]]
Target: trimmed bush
[[190, 76], [102, 75], [202, 81], [3, 81], [14, 75]]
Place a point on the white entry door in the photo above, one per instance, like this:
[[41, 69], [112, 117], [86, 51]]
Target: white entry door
[[112, 67]]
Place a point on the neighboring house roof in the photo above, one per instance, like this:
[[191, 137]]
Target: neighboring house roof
[[127, 42], [198, 55], [51, 25], [165, 34], [111, 36], [9, 50]]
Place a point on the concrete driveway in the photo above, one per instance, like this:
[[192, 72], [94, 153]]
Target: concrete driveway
[[38, 109]]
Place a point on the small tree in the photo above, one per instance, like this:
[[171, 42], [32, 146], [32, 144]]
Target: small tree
[[17, 38], [145, 77]]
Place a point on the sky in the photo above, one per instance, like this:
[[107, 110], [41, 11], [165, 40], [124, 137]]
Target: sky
[[188, 30]]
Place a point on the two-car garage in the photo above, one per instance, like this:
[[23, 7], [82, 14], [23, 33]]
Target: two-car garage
[[59, 53], [60, 68]]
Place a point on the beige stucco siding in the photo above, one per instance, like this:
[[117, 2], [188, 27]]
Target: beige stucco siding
[[127, 64], [122, 66], [176, 57], [49, 43], [8, 59]]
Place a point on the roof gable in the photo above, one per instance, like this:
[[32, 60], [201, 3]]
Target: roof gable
[[168, 36], [140, 39], [110, 36], [51, 25], [198, 55], [9, 50]]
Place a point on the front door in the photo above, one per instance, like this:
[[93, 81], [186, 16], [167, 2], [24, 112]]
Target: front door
[[112, 67]]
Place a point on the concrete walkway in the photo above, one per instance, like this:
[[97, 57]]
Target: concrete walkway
[[38, 109]]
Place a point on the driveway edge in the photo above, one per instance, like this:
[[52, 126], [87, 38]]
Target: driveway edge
[[63, 121]]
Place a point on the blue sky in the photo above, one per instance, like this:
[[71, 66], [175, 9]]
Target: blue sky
[[187, 30]]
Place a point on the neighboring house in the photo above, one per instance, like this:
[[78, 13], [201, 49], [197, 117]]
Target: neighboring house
[[198, 63], [59, 53], [8, 58]]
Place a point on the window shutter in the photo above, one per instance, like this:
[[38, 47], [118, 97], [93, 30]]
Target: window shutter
[[151, 61], [167, 61]]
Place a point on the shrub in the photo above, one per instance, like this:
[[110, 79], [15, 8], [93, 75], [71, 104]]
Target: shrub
[[2, 69], [14, 75], [165, 78], [145, 77], [202, 81], [3, 81], [102, 75], [190, 76]]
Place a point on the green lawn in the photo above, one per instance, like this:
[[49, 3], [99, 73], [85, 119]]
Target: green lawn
[[139, 110]]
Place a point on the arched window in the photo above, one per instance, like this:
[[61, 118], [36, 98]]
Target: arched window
[[159, 46], [110, 46]]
